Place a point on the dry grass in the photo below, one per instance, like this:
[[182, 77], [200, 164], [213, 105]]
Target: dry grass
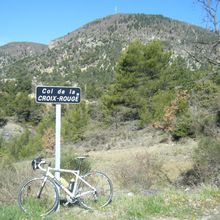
[[125, 149], [172, 158], [138, 173], [11, 179], [141, 154]]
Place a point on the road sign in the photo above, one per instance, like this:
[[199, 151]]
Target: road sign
[[57, 94]]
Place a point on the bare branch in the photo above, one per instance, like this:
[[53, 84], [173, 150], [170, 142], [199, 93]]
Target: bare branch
[[211, 8]]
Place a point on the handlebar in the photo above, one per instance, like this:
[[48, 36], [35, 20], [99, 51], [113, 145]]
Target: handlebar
[[37, 163], [42, 163]]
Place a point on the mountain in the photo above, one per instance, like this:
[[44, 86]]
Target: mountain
[[11, 52], [88, 55]]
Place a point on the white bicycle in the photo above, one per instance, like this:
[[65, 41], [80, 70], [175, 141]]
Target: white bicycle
[[41, 195]]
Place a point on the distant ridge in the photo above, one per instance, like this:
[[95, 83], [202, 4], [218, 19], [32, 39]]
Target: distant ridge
[[16, 49]]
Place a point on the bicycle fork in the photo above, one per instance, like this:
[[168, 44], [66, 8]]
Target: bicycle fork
[[42, 186]]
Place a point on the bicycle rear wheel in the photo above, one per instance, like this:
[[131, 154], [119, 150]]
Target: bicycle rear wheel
[[100, 195], [37, 197]]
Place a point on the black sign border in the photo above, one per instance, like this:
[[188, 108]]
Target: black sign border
[[55, 103]]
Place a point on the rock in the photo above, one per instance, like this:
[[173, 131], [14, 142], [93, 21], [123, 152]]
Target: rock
[[130, 194], [11, 129]]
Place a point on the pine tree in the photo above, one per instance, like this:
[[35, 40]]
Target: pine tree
[[138, 66]]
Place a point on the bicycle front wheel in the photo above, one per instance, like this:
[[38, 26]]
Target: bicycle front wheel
[[38, 197], [96, 191]]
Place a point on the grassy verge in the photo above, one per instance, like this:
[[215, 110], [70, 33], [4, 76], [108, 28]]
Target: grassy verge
[[176, 204]]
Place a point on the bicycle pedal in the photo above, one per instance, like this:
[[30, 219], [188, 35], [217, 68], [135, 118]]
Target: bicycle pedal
[[66, 204], [74, 201]]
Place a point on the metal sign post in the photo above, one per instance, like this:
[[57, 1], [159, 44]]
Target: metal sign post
[[57, 95], [57, 140]]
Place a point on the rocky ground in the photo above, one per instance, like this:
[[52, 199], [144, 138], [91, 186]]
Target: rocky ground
[[10, 129]]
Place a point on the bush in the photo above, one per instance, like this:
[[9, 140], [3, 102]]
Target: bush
[[74, 122], [23, 146], [11, 177], [182, 126], [206, 167], [206, 121], [160, 101], [6, 161], [26, 109], [48, 140], [3, 121], [204, 124], [17, 145], [177, 117], [205, 93], [208, 151], [138, 174], [69, 161]]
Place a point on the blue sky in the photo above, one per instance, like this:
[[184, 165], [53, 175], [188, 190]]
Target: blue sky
[[45, 20]]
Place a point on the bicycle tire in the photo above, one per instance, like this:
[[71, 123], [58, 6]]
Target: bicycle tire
[[103, 194], [33, 204]]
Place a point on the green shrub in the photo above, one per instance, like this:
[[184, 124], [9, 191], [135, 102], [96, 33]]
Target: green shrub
[[182, 126], [69, 161], [24, 146], [208, 151], [205, 93], [48, 121], [6, 161], [74, 122], [154, 109], [17, 144], [26, 109], [34, 146], [206, 121], [206, 163], [159, 102]]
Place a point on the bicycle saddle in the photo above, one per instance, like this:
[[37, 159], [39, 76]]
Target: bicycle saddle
[[81, 157]]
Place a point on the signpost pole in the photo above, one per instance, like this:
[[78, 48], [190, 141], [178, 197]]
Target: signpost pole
[[57, 141]]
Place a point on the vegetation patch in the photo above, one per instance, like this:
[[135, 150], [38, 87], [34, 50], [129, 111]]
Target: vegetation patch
[[174, 204], [139, 172]]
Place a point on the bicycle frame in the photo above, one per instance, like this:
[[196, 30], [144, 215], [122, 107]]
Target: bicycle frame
[[73, 195], [40, 194]]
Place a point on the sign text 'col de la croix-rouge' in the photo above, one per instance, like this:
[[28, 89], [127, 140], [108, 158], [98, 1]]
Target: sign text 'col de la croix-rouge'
[[57, 94]]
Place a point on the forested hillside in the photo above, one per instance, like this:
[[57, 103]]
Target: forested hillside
[[90, 53]]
